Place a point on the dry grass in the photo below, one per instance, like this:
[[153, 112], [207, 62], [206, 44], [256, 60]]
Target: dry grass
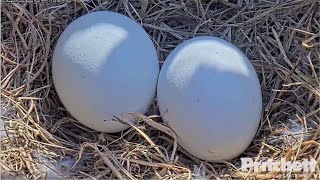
[[280, 37]]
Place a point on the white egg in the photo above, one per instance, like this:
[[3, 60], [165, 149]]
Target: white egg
[[105, 64], [209, 94]]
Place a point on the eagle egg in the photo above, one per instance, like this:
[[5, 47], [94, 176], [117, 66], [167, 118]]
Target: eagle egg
[[104, 65], [209, 94]]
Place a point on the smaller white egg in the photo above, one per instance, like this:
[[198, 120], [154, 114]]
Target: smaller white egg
[[104, 65], [209, 94]]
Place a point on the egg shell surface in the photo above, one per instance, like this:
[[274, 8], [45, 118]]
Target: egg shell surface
[[209, 94], [104, 64]]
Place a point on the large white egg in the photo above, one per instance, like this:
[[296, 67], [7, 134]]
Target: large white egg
[[105, 64], [209, 94]]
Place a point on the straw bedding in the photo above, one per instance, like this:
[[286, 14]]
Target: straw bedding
[[41, 140]]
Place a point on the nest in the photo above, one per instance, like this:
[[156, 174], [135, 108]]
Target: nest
[[281, 38]]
